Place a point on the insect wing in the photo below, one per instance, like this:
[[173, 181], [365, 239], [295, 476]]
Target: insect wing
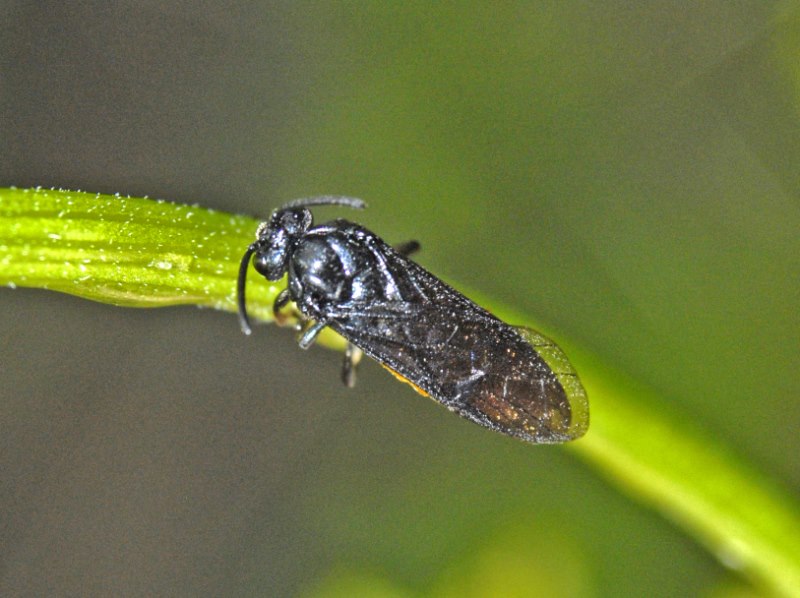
[[512, 380]]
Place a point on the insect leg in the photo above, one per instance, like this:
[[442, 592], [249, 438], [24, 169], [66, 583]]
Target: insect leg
[[281, 301], [311, 333], [408, 248], [352, 355]]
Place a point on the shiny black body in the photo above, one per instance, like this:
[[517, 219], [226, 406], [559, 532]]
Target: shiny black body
[[342, 276]]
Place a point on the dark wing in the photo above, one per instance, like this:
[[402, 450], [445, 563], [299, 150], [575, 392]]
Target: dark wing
[[509, 379]]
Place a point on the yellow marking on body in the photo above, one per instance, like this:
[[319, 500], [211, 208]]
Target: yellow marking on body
[[406, 380]]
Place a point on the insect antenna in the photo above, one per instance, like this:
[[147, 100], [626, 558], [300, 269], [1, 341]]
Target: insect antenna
[[244, 321], [327, 200]]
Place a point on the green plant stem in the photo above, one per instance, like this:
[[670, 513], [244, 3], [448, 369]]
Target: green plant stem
[[143, 253]]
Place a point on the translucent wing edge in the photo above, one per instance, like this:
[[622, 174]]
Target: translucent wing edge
[[559, 363]]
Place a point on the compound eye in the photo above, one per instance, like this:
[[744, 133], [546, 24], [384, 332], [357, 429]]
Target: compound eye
[[271, 264]]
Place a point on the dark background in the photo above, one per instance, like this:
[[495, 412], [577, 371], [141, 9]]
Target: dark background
[[627, 173]]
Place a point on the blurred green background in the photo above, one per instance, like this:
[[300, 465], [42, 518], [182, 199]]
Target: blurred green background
[[628, 172]]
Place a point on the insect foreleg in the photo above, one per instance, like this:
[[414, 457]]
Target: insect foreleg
[[281, 301]]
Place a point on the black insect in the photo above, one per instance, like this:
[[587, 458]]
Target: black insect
[[341, 275]]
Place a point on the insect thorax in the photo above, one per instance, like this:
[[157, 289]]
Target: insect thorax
[[336, 268]]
